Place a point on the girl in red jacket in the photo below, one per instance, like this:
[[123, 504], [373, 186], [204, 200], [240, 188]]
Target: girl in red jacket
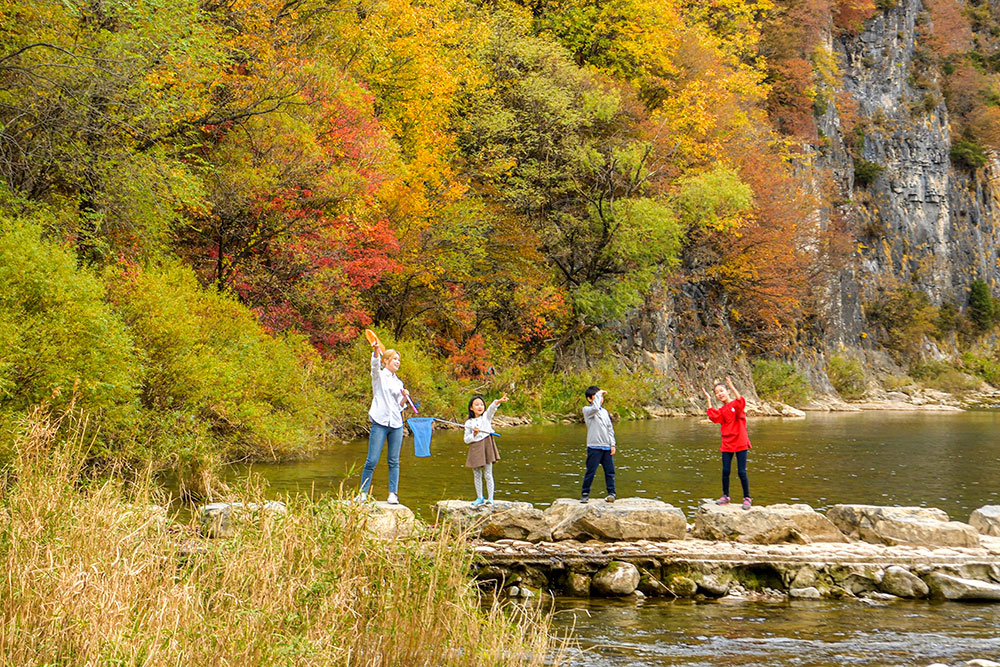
[[732, 419]]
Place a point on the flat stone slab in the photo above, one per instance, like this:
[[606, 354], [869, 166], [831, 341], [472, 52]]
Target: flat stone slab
[[624, 520], [694, 550], [767, 524], [902, 525], [986, 520], [503, 519]]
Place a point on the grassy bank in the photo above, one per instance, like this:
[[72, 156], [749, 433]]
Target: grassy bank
[[98, 578]]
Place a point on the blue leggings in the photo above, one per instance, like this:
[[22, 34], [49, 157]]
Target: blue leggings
[[741, 470], [378, 436]]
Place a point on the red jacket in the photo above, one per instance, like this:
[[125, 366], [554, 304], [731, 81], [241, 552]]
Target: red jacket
[[732, 417]]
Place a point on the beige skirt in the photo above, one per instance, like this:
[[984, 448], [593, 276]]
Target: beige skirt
[[482, 452]]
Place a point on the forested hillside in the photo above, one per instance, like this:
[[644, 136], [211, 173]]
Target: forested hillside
[[204, 203]]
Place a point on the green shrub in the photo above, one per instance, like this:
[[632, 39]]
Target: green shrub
[[866, 172], [60, 341], [216, 386], [929, 370], [847, 376], [984, 367], [954, 381], [780, 380], [968, 154], [982, 308], [906, 316]]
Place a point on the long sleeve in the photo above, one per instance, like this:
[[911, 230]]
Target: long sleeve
[[714, 415], [376, 368], [491, 410]]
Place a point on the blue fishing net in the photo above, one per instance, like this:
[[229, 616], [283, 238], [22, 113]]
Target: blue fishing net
[[422, 428]]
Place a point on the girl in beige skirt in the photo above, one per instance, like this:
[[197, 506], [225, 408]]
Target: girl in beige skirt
[[482, 447]]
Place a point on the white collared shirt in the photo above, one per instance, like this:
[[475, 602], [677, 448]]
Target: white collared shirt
[[387, 395]]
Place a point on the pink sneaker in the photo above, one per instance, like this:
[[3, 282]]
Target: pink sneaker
[[724, 500], [747, 503]]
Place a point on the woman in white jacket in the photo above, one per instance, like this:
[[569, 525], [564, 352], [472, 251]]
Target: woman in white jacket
[[483, 450], [389, 397]]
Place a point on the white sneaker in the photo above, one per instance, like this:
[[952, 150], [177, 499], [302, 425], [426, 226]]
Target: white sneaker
[[361, 497], [392, 500]]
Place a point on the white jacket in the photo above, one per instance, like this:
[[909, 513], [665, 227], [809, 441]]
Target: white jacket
[[483, 422]]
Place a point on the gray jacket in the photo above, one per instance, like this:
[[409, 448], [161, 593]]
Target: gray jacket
[[600, 432]]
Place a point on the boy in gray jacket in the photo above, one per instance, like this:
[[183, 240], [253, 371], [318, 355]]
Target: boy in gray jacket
[[600, 443]]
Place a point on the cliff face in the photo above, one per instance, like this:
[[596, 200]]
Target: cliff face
[[922, 221], [918, 220]]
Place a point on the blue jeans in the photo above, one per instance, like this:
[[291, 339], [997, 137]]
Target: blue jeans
[[378, 436], [599, 457], [741, 469]]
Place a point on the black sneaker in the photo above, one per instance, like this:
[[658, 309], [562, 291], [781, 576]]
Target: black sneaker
[[611, 498]]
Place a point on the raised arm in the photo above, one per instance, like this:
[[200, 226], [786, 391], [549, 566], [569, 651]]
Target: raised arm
[[732, 389], [376, 363], [492, 409], [708, 397]]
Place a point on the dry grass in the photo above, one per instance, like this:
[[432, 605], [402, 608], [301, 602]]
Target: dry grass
[[96, 578]]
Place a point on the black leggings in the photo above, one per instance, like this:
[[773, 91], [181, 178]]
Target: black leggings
[[741, 470]]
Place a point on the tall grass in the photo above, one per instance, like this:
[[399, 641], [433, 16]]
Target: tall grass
[[95, 577]]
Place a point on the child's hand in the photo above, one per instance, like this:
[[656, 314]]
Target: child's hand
[[475, 430], [503, 399], [612, 450], [707, 395]]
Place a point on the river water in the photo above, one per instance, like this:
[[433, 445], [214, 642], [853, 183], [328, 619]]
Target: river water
[[945, 460]]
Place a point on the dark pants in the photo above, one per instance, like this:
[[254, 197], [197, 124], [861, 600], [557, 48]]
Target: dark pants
[[741, 470], [603, 458]]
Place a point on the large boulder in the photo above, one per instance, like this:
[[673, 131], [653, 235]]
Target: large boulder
[[388, 522], [924, 526], [768, 524], [986, 520], [616, 580], [627, 519], [902, 583], [502, 520], [220, 519], [949, 587]]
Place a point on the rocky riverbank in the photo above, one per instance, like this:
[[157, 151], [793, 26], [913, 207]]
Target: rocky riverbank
[[640, 547]]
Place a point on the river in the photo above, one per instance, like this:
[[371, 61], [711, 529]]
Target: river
[[945, 460]]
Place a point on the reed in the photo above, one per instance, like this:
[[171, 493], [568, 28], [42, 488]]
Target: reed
[[96, 576]]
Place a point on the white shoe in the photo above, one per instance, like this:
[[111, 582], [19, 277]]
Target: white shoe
[[361, 497], [392, 500]]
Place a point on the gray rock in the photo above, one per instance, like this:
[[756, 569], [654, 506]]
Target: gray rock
[[682, 587], [514, 592], [925, 526], [986, 520], [902, 583], [770, 524], [652, 586], [577, 585], [807, 593], [981, 662], [220, 519], [616, 580], [714, 585], [949, 587], [856, 578], [389, 522], [502, 520], [627, 519]]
